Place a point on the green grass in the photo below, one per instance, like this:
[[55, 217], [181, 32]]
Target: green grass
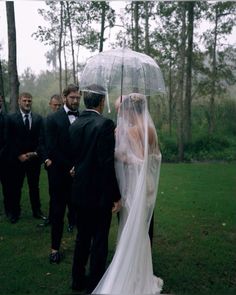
[[194, 239]]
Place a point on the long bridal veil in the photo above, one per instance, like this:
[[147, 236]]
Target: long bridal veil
[[137, 164]]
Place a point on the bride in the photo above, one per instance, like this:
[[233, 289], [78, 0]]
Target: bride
[[138, 161]]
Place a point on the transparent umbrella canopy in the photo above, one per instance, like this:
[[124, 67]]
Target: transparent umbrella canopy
[[123, 71]]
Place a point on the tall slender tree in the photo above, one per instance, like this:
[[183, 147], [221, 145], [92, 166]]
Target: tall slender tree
[[102, 30], [147, 35], [12, 54], [68, 10], [60, 44], [188, 89], [2, 91], [181, 83], [136, 25], [222, 16], [104, 15]]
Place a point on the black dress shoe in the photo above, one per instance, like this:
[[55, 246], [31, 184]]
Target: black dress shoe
[[39, 215], [13, 219], [46, 222], [56, 257]]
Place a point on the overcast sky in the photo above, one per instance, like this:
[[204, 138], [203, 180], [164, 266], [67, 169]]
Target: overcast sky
[[30, 51]]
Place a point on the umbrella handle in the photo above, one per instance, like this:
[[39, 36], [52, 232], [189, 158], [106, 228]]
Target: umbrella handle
[[121, 81], [108, 102]]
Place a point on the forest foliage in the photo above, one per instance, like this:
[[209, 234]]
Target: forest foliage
[[195, 118]]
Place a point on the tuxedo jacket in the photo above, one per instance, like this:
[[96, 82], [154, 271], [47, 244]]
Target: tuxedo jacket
[[92, 144], [3, 136], [57, 139], [21, 140]]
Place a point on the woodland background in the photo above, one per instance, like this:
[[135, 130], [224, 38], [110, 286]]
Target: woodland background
[[195, 119]]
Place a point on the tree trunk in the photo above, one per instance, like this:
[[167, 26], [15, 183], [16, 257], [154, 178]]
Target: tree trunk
[[71, 42], [147, 41], [188, 91], [132, 26], [103, 16], [213, 79], [181, 86], [12, 65], [2, 92], [65, 61], [60, 47], [170, 99], [136, 26]]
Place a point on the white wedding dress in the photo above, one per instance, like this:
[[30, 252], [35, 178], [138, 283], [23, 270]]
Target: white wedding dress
[[137, 167]]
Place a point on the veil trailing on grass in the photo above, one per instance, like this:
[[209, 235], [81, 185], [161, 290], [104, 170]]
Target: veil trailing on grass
[[138, 162]]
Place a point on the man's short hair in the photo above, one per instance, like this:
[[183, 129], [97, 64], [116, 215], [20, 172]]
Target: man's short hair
[[70, 88], [55, 96], [25, 94], [93, 95]]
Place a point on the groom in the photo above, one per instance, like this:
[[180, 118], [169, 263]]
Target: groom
[[95, 192]]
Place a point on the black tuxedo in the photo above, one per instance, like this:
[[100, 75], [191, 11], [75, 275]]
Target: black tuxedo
[[4, 177], [94, 190], [22, 140], [2, 133], [60, 180]]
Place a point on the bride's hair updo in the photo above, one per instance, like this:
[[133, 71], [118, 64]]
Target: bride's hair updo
[[134, 102]]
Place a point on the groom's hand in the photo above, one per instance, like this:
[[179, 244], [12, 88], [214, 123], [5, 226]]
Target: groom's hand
[[72, 171], [116, 206]]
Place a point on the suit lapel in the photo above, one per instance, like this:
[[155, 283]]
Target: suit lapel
[[33, 121], [65, 117], [20, 120]]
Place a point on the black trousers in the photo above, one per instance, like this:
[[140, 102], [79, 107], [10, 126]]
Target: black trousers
[[60, 197], [30, 170], [92, 239], [71, 210], [50, 186], [151, 229], [6, 184]]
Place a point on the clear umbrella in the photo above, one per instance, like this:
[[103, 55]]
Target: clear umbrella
[[123, 71]]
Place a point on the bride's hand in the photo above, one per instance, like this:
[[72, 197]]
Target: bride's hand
[[116, 206]]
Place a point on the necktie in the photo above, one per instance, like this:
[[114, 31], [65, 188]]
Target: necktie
[[27, 122], [76, 113]]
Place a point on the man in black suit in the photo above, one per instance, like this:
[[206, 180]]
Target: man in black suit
[[25, 139], [3, 157], [55, 103], [59, 165], [95, 192]]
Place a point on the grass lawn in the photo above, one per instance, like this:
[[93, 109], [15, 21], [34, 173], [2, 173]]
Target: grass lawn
[[194, 240]]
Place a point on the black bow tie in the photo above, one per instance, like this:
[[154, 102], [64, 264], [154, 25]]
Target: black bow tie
[[76, 113]]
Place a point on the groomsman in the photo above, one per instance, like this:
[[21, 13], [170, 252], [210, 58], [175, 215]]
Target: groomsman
[[55, 103], [25, 136], [3, 156], [59, 165]]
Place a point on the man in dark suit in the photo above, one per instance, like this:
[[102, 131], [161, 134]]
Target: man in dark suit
[[3, 157], [95, 192], [25, 139], [59, 165], [55, 103]]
